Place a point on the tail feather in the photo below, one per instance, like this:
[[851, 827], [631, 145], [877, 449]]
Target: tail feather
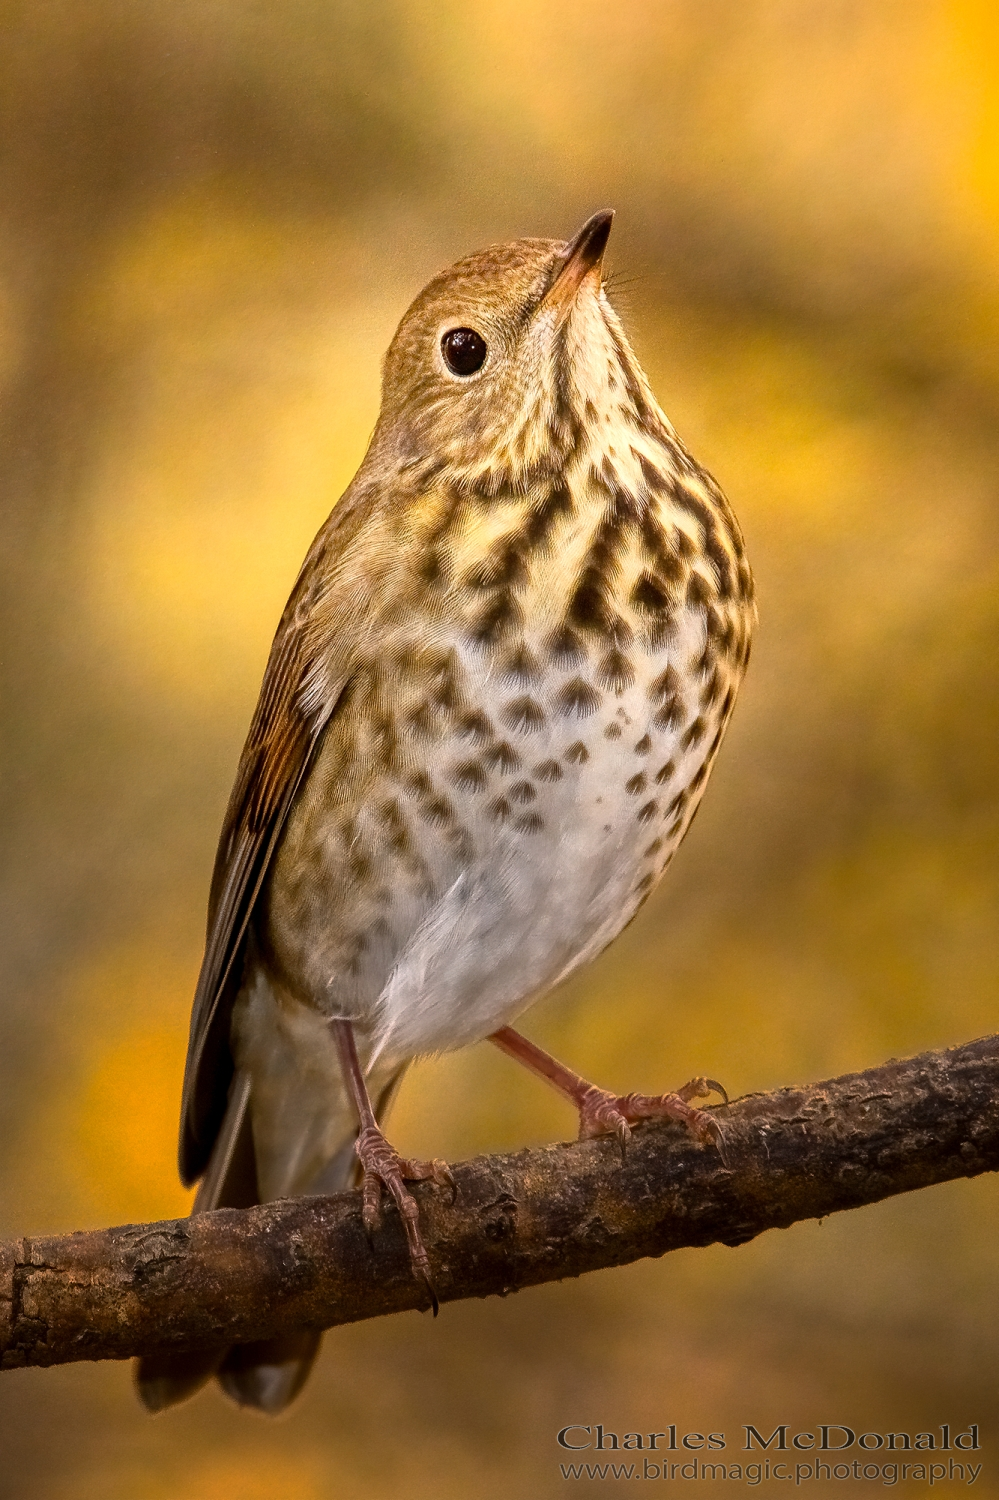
[[270, 1373], [163, 1380], [230, 1179]]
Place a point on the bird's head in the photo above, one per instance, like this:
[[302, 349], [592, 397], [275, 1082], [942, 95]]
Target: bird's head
[[505, 362]]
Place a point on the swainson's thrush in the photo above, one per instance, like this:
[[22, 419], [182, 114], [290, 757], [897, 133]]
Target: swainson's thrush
[[488, 716]]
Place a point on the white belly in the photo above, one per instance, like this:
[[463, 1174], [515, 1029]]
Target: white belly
[[551, 884]]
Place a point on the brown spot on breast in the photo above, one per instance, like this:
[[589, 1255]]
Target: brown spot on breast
[[577, 698], [712, 689], [447, 697], [523, 791], [694, 506], [646, 813], [660, 631], [715, 624], [613, 732], [431, 568], [722, 564], [565, 647], [500, 810], [445, 692], [590, 606], [501, 616], [502, 568], [666, 772], [662, 549], [437, 810], [577, 753], [698, 781], [644, 745], [636, 784], [615, 672], [502, 757], [699, 591], [558, 502], [671, 715], [548, 770], [398, 831], [529, 823], [694, 734], [469, 775], [653, 476], [524, 715], [706, 660], [648, 596], [521, 665], [422, 722], [475, 726], [665, 685], [653, 848]]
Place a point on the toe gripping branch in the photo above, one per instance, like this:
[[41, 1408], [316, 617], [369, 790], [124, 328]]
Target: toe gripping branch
[[383, 1167], [602, 1113]]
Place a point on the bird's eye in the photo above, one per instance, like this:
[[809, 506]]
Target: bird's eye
[[464, 350]]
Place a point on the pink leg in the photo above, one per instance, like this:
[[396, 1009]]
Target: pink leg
[[601, 1111], [383, 1166]]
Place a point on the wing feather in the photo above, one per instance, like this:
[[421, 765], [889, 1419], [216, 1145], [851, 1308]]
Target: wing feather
[[287, 723]]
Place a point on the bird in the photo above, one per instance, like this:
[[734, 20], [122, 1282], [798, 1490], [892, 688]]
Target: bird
[[488, 716]]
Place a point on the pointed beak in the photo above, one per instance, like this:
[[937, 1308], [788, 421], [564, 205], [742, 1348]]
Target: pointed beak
[[583, 256]]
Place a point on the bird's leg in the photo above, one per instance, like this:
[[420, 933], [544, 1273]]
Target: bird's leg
[[383, 1166], [601, 1112]]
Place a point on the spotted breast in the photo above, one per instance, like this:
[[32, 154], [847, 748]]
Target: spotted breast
[[527, 734]]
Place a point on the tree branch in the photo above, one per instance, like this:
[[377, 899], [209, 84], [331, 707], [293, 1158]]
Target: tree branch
[[236, 1275]]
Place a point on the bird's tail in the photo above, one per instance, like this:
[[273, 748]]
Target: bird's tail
[[270, 1373]]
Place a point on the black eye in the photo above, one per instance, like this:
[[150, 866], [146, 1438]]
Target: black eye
[[464, 350]]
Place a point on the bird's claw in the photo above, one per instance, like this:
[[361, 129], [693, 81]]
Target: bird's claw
[[601, 1113], [384, 1167], [700, 1088]]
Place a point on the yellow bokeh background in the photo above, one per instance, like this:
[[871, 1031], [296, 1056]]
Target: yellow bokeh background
[[214, 215]]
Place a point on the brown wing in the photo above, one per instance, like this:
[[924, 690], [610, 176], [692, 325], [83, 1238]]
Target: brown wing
[[285, 728]]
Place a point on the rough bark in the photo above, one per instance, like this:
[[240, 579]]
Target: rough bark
[[242, 1274]]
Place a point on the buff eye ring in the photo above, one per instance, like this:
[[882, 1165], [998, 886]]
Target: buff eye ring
[[464, 350]]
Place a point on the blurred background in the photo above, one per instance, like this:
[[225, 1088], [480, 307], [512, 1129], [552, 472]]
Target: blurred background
[[214, 214]]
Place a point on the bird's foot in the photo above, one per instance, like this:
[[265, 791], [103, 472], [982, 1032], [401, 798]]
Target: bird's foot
[[384, 1167], [602, 1113]]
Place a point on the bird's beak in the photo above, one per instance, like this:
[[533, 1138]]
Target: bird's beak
[[583, 256]]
